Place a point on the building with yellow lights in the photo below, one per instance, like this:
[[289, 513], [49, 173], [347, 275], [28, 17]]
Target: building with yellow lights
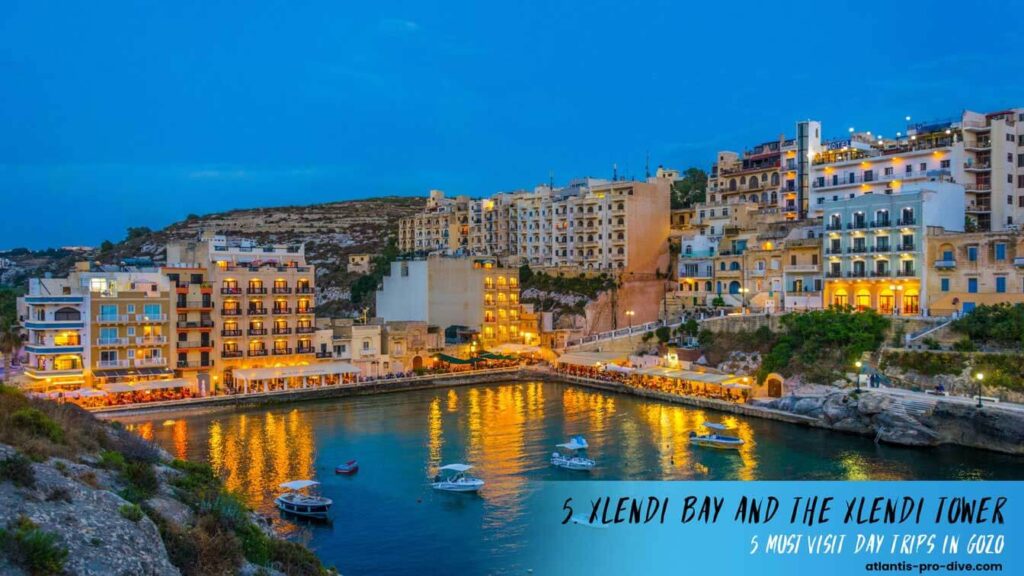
[[966, 270], [978, 151], [874, 246], [105, 327], [475, 293]]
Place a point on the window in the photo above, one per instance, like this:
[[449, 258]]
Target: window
[[888, 171], [151, 310], [972, 285], [366, 345], [944, 285], [1000, 251], [924, 166], [108, 311], [1000, 284], [944, 164], [972, 253], [909, 169]]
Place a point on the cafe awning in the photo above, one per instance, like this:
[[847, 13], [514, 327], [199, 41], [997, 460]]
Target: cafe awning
[[320, 369], [591, 358], [118, 387], [688, 375], [453, 360], [513, 348]]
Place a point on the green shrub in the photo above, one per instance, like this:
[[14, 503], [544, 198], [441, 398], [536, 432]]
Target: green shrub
[[18, 470], [1001, 324], [663, 333], [294, 559], [932, 344], [256, 546], [38, 424], [140, 481], [112, 460], [964, 345], [35, 550], [131, 512]]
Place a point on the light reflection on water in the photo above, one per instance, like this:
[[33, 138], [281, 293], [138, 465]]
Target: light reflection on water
[[387, 520]]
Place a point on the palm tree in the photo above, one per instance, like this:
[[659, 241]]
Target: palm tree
[[10, 345]]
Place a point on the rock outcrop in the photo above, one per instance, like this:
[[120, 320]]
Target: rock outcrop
[[895, 420]]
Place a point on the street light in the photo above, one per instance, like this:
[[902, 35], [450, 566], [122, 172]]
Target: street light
[[979, 377], [860, 370], [743, 297], [629, 317]]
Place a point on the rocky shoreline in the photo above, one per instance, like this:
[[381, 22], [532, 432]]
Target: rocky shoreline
[[888, 419]]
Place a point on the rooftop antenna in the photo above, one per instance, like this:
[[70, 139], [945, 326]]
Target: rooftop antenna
[[551, 179], [647, 165], [615, 172]]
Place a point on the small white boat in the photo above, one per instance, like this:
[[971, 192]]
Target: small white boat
[[453, 478], [294, 501], [576, 459], [715, 440]]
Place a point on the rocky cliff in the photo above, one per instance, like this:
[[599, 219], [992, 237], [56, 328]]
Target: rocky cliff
[[910, 423]]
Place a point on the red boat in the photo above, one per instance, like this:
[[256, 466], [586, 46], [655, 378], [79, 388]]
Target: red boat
[[350, 467]]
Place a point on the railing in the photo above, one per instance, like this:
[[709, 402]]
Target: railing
[[151, 317], [256, 290], [282, 351], [282, 310], [110, 318], [305, 350], [150, 340], [111, 341], [256, 311], [282, 331], [281, 290], [324, 355], [231, 312], [195, 304], [304, 290], [802, 268], [195, 324], [257, 331], [945, 263], [113, 363], [257, 352], [188, 345], [230, 333], [232, 353], [230, 290], [906, 273], [309, 310], [305, 329], [195, 363], [151, 362], [1018, 261]]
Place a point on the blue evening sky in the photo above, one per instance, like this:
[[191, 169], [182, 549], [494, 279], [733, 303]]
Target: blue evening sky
[[137, 113]]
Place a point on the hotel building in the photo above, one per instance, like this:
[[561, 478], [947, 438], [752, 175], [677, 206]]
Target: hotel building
[[966, 270], [476, 293], [874, 246], [982, 152]]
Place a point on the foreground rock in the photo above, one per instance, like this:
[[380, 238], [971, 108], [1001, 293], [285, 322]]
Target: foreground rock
[[896, 420]]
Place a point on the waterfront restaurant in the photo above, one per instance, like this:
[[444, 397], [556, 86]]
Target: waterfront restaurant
[[691, 383], [294, 377]]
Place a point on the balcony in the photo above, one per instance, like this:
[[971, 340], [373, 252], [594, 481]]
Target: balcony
[[231, 353], [304, 350], [906, 248], [150, 340], [881, 273], [303, 289], [111, 364], [231, 333], [282, 351], [756, 273], [257, 331], [256, 311], [281, 290], [304, 329], [906, 222], [195, 324], [193, 364], [907, 273], [881, 249], [857, 274], [151, 318], [282, 331], [802, 268], [256, 290], [195, 345], [857, 250], [324, 355], [977, 166], [834, 227], [230, 290], [112, 318], [307, 310], [282, 310], [195, 305], [885, 223], [946, 264], [151, 362], [231, 312], [1018, 262], [111, 341], [257, 352]]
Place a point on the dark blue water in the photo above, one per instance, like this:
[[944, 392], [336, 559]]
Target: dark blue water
[[387, 520]]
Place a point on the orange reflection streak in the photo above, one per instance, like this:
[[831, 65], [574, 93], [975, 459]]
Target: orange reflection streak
[[497, 445], [453, 401], [435, 438], [180, 431], [145, 430]]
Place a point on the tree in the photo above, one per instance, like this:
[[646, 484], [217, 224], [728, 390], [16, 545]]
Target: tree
[[689, 189], [663, 333], [106, 246], [10, 345], [138, 232]]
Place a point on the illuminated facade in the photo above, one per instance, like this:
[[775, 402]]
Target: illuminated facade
[[966, 270]]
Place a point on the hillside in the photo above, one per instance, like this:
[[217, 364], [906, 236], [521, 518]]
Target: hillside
[[329, 231]]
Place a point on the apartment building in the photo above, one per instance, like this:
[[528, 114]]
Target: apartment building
[[106, 327], [982, 152], [263, 309], [590, 225], [358, 344], [764, 175], [966, 270], [802, 280], [874, 246], [359, 263], [477, 293]]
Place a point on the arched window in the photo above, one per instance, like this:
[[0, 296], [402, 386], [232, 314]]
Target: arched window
[[775, 179], [732, 184], [734, 265], [67, 314]]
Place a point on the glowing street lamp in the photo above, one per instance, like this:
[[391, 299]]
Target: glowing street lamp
[[860, 370], [979, 377], [629, 316]]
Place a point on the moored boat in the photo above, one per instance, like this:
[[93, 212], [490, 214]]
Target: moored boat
[[576, 459], [300, 503], [453, 478], [350, 467], [715, 440]]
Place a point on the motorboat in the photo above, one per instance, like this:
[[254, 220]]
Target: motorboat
[[350, 467], [453, 478], [297, 500], [715, 440], [576, 458]]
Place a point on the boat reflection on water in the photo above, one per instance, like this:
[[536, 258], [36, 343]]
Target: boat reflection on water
[[390, 514]]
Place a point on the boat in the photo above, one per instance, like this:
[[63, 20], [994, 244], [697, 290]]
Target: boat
[[350, 467], [715, 440], [576, 459], [453, 478], [295, 501]]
